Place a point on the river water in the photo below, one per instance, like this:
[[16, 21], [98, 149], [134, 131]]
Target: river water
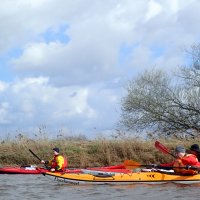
[[22, 187]]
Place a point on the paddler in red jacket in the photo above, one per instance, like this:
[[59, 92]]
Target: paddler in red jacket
[[194, 149], [58, 163], [189, 161]]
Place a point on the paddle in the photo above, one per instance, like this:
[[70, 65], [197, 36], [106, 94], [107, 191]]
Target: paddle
[[163, 148], [46, 166], [35, 155], [131, 164]]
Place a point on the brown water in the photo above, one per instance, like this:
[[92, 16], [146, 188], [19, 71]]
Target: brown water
[[22, 187]]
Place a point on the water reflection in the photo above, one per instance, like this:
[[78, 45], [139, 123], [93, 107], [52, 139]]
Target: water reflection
[[14, 187]]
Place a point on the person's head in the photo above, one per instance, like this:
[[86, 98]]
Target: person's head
[[195, 149], [56, 151], [180, 151]]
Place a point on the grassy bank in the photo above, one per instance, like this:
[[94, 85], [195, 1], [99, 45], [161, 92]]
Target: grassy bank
[[85, 153]]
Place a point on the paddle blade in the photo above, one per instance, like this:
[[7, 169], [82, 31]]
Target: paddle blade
[[131, 164], [161, 147]]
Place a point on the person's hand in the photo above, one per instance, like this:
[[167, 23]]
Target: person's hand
[[187, 167], [191, 167], [52, 170], [45, 162], [154, 165]]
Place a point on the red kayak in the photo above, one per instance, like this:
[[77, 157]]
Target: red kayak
[[36, 170], [30, 170], [22, 170]]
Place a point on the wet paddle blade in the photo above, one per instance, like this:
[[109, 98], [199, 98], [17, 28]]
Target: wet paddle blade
[[131, 164], [163, 148]]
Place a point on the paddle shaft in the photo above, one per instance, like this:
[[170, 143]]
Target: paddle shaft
[[35, 155], [131, 164], [163, 167]]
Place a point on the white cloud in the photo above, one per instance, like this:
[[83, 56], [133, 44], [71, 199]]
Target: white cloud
[[4, 113], [154, 9], [3, 86], [37, 102], [73, 83]]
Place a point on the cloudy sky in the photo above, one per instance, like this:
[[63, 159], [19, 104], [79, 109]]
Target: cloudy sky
[[64, 63]]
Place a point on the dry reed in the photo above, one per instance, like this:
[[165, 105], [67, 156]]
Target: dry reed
[[84, 153]]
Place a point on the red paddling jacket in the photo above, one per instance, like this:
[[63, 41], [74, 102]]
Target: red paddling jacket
[[59, 163], [188, 159]]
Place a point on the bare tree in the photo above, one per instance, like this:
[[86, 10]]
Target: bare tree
[[157, 103]]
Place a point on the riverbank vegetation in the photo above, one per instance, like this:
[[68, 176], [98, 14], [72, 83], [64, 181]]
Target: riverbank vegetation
[[82, 152]]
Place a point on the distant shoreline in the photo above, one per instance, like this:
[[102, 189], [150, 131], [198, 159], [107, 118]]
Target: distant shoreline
[[85, 153]]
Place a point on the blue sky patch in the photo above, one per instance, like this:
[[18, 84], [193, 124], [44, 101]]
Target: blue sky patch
[[125, 52], [5, 69], [157, 51], [51, 35], [6, 73], [14, 53]]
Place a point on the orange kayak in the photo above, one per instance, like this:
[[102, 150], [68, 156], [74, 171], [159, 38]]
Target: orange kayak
[[127, 178]]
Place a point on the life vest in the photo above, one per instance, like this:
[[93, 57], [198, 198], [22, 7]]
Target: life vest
[[59, 162], [182, 162]]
